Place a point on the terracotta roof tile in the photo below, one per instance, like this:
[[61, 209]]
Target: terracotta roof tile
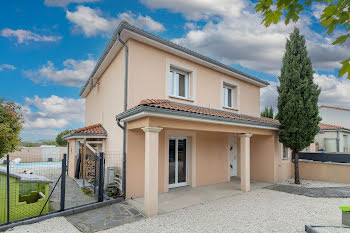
[[92, 129], [166, 104], [328, 126], [343, 109]]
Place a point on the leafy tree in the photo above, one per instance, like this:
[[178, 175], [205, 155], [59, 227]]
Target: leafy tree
[[268, 113], [59, 140], [297, 100], [336, 14], [50, 143], [11, 122], [265, 113], [271, 115], [29, 145]]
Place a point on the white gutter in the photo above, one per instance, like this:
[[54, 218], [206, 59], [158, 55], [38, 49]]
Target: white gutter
[[153, 114]]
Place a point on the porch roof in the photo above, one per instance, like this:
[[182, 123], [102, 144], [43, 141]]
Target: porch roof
[[329, 127], [95, 131], [170, 108]]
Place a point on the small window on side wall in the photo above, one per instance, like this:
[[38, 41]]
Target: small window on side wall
[[228, 96], [179, 83], [285, 153]]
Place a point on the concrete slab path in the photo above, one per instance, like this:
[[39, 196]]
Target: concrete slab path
[[105, 217]]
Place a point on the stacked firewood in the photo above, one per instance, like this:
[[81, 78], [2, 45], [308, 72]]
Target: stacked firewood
[[90, 164]]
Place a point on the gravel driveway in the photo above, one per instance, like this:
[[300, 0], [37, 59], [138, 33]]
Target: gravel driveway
[[257, 211]]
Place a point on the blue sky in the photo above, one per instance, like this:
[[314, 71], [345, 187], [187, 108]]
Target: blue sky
[[49, 47]]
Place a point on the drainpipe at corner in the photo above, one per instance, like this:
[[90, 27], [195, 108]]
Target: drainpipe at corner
[[338, 139], [123, 127]]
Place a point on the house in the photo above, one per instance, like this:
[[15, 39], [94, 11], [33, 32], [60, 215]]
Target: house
[[335, 116], [28, 195], [332, 138], [172, 117]]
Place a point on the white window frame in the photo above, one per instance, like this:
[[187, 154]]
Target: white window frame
[[225, 88], [174, 83], [282, 154]]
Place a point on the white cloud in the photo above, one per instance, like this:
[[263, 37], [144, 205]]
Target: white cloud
[[91, 22], [64, 3], [7, 66], [241, 38], [74, 72], [23, 36], [199, 9], [317, 10], [52, 113], [334, 92]]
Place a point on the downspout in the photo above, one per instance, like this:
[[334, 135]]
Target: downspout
[[338, 139], [123, 127]]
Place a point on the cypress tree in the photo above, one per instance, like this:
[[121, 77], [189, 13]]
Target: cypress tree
[[271, 113], [297, 101], [265, 113]]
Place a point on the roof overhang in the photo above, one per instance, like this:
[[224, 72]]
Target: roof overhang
[[84, 135], [335, 130], [146, 111], [125, 31]]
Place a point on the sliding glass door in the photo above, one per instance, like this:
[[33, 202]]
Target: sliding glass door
[[178, 162]]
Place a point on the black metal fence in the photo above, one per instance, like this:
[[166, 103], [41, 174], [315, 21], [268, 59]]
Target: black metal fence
[[325, 157], [31, 186]]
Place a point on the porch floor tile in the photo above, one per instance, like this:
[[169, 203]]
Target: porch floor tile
[[182, 197]]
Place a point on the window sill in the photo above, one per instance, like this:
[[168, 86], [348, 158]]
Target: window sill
[[180, 98], [234, 109], [285, 159]]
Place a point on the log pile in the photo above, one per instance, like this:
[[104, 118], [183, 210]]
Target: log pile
[[90, 164]]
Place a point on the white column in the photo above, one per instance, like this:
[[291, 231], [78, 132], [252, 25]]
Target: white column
[[151, 170], [245, 161]]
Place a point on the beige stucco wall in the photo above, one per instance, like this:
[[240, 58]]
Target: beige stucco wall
[[103, 103], [148, 77], [211, 160], [38, 154], [330, 172], [262, 158]]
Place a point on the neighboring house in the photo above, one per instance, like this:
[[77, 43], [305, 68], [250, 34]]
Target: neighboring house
[[190, 119], [335, 116], [332, 138], [43, 153]]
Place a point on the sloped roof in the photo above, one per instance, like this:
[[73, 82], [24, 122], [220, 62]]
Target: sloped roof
[[196, 111], [125, 26], [324, 126], [92, 130], [29, 178], [342, 109]]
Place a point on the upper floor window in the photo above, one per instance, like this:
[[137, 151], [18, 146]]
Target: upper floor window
[[228, 96], [179, 83]]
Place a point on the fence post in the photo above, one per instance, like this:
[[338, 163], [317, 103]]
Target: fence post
[[8, 187], [101, 177], [63, 181]]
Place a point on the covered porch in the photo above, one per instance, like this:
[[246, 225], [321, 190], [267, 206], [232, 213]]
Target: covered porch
[[183, 197], [168, 154]]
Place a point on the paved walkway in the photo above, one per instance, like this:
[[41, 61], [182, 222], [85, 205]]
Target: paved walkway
[[105, 217], [74, 195], [328, 192]]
